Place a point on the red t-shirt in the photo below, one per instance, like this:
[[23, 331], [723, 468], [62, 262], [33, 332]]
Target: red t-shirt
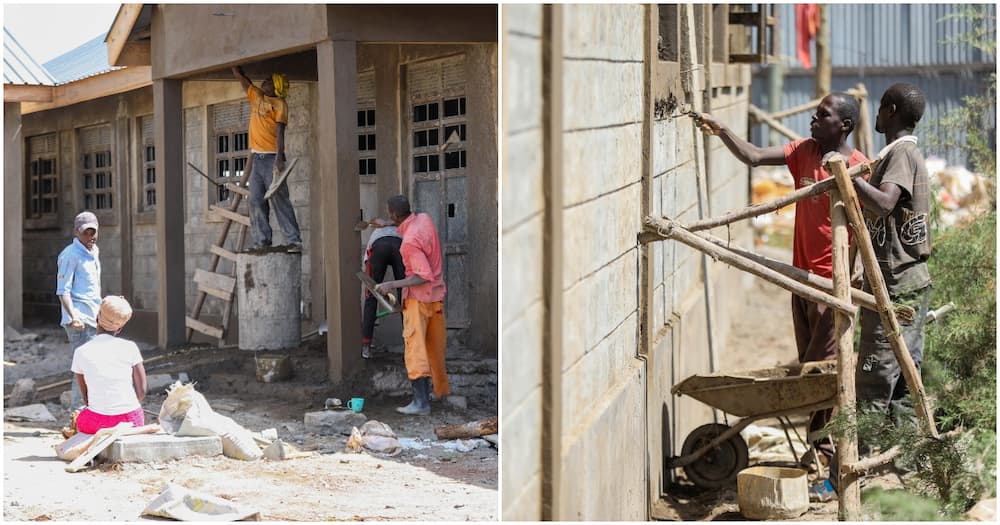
[[421, 252], [813, 239]]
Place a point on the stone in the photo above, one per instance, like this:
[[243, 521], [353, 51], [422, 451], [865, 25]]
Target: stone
[[35, 413], [23, 392], [328, 422], [493, 439], [157, 383], [770, 493], [985, 510], [64, 399], [458, 401], [157, 448], [391, 381]]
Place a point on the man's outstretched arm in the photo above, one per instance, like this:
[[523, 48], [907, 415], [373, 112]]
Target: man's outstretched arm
[[242, 77], [743, 150]]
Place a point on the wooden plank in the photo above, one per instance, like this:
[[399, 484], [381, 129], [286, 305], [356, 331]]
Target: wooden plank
[[90, 88], [120, 30], [207, 329], [222, 252], [238, 189], [760, 116], [231, 215], [16, 93], [215, 280], [215, 292]]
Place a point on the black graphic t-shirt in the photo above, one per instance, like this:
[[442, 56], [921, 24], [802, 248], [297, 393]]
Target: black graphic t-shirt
[[902, 239]]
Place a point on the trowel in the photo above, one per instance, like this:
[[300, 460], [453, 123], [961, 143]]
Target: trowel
[[388, 301], [280, 179]]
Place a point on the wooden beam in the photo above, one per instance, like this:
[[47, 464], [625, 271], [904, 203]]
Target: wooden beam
[[110, 83], [135, 54], [667, 229], [231, 215], [849, 488], [761, 116], [18, 93], [120, 30], [207, 329]]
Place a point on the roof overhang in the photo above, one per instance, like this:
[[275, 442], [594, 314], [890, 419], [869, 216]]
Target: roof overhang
[[128, 39], [27, 93], [90, 88]]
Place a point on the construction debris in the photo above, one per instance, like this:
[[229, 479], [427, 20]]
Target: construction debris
[[181, 504], [374, 436], [23, 392], [472, 429], [330, 422], [186, 412], [34, 413]]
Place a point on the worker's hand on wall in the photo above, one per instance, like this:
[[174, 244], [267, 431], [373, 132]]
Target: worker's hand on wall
[[707, 124]]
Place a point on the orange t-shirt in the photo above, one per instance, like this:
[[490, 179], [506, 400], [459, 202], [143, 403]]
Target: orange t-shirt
[[812, 245], [265, 113]]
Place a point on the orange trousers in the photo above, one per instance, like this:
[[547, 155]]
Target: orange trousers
[[424, 336]]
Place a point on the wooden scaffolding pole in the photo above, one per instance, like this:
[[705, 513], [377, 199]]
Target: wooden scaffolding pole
[[849, 490], [838, 168]]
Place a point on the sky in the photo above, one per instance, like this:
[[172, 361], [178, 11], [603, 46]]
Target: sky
[[49, 30]]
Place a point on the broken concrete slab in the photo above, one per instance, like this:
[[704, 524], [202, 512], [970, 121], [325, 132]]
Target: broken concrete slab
[[23, 392], [327, 422], [34, 413], [156, 448]]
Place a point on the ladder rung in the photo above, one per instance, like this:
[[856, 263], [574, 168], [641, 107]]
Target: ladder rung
[[207, 329], [231, 215], [238, 189], [222, 252], [215, 280], [215, 292]]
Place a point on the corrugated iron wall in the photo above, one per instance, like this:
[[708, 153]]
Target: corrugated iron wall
[[879, 45]]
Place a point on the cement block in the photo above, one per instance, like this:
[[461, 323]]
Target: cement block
[[611, 32], [328, 422], [458, 401], [156, 383], [601, 161], [156, 448], [522, 250], [615, 88]]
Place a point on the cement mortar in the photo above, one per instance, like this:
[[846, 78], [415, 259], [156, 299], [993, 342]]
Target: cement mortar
[[269, 294]]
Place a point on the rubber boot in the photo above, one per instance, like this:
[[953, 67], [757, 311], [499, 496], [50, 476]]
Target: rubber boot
[[420, 404]]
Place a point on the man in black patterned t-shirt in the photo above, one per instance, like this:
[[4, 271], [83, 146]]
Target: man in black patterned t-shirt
[[896, 207]]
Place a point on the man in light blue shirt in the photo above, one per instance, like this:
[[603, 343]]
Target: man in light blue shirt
[[78, 285]]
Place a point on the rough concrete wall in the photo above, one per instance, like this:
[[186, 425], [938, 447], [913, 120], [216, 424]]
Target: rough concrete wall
[[13, 215], [481, 187], [680, 346], [603, 382], [522, 230]]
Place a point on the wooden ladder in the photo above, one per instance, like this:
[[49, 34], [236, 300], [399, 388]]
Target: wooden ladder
[[213, 283]]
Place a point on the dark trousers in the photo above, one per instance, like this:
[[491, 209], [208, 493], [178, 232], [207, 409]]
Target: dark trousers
[[815, 341], [384, 253]]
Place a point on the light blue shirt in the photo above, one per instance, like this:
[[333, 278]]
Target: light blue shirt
[[80, 277]]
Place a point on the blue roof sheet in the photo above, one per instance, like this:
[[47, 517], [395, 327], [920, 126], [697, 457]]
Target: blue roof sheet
[[88, 60], [19, 67]]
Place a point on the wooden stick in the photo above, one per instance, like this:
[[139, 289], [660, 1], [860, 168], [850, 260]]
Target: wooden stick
[[858, 296], [472, 429], [847, 445], [762, 208], [806, 106], [760, 116], [838, 168], [864, 465], [671, 230]]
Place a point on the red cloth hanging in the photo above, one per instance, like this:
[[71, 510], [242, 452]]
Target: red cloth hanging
[[806, 27]]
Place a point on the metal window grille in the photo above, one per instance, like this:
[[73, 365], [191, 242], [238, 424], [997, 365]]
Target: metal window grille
[[231, 148], [147, 166]]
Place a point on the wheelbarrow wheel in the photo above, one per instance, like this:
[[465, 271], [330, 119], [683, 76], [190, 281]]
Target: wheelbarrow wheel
[[718, 466]]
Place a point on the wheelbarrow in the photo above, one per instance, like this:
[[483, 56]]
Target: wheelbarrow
[[714, 453]]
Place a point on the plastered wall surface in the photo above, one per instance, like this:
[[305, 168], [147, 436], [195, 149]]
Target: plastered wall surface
[[522, 232]]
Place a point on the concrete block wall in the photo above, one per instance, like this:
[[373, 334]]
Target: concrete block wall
[[603, 381], [522, 231]]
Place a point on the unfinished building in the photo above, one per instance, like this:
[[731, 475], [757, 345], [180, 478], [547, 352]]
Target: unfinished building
[[374, 91], [596, 326]]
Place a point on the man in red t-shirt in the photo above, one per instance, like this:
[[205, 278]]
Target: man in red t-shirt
[[834, 120]]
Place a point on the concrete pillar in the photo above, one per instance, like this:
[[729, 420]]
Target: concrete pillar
[[481, 192], [169, 132], [389, 126], [337, 159], [13, 216], [269, 292]]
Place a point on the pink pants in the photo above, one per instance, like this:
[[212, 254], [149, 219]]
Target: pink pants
[[90, 422]]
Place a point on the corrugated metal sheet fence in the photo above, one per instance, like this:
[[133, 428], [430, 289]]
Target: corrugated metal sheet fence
[[879, 45]]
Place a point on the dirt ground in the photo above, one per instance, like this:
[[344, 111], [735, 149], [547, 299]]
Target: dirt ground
[[767, 320], [427, 481]]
